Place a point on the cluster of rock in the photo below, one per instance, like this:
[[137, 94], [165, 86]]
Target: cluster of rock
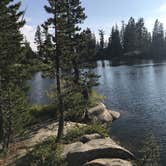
[[93, 150], [101, 114]]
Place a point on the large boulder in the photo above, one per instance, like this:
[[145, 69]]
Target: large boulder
[[108, 162], [88, 137], [115, 115], [101, 114], [79, 153]]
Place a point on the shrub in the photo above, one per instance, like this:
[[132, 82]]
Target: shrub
[[76, 133], [95, 98], [40, 112], [46, 154], [77, 106]]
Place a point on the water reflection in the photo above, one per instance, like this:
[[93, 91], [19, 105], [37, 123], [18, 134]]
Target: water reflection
[[39, 87]]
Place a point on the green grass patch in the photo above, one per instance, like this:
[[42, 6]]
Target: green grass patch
[[95, 98], [38, 113], [48, 153], [74, 134]]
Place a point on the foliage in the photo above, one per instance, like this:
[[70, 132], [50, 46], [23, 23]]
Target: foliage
[[66, 49], [95, 98], [13, 105], [42, 112], [74, 134], [158, 41], [76, 105], [114, 45], [46, 154], [133, 37]]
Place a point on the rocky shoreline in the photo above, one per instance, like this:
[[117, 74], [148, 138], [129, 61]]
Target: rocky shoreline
[[88, 150], [93, 150]]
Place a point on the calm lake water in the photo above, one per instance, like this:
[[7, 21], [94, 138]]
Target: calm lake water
[[137, 91]]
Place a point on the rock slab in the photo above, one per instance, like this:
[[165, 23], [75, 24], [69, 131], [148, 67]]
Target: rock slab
[[108, 162], [78, 153]]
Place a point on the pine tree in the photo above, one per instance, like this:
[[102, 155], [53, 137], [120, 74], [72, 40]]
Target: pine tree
[[142, 39], [115, 45], [75, 16], [158, 39], [12, 98], [101, 34], [89, 46], [28, 53], [71, 49], [58, 20], [101, 48], [47, 46], [130, 36], [39, 42], [67, 14], [122, 33]]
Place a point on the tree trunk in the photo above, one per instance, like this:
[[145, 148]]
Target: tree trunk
[[1, 113], [58, 82], [76, 72], [60, 99], [1, 125]]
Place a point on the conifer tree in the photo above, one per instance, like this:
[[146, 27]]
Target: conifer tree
[[115, 44], [12, 97], [68, 57], [75, 16], [58, 20], [47, 46], [157, 39], [101, 48], [130, 36], [67, 14], [142, 36], [39, 41]]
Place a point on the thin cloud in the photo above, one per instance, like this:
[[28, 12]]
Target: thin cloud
[[162, 8], [29, 33]]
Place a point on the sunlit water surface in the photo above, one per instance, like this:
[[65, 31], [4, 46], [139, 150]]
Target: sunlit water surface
[[136, 90]]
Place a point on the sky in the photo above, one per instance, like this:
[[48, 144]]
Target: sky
[[101, 14]]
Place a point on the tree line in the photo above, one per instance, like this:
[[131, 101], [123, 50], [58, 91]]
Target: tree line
[[133, 40], [130, 40]]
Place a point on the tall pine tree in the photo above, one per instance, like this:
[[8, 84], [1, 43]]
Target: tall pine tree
[[114, 43], [12, 97], [157, 46], [66, 15]]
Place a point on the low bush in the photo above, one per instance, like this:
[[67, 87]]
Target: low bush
[[74, 134], [38, 113], [77, 106], [46, 154], [95, 98]]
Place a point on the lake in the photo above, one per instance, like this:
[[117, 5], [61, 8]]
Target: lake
[[137, 90]]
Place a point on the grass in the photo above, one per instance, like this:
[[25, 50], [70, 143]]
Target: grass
[[95, 98], [41, 111], [46, 154], [50, 153], [74, 134]]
